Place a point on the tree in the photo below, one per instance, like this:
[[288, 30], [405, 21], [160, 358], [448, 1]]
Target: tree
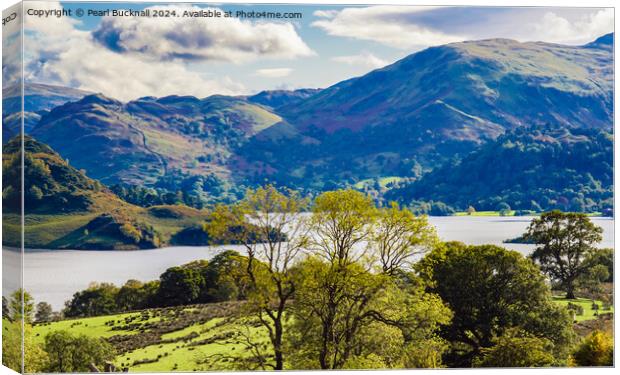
[[21, 306], [517, 349], [98, 299], [348, 317], [149, 291], [471, 210], [75, 353], [268, 223], [596, 350], [591, 281], [491, 290], [503, 206], [44, 312], [226, 277], [180, 286], [34, 358], [604, 257], [136, 295], [399, 236], [564, 240], [130, 231], [341, 220], [345, 309]]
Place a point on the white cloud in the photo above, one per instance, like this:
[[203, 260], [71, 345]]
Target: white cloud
[[274, 72], [558, 29], [365, 59], [60, 53], [196, 38], [388, 25]]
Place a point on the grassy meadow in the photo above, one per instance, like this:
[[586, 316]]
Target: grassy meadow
[[170, 339], [183, 338]]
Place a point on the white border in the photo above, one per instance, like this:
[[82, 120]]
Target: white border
[[520, 3]]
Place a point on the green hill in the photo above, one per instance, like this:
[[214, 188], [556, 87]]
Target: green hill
[[146, 140], [537, 168], [66, 209]]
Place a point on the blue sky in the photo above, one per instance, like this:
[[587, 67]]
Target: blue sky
[[127, 57]]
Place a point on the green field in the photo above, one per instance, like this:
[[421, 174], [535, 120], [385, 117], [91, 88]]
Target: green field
[[179, 339], [588, 312], [194, 338]]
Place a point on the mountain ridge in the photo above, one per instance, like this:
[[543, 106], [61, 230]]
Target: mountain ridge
[[399, 121]]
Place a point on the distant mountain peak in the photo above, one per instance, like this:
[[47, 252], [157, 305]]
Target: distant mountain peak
[[172, 99], [99, 99]]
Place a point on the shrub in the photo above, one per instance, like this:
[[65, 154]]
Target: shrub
[[596, 350]]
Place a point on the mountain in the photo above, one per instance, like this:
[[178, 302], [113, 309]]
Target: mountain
[[431, 106], [148, 139], [65, 209], [538, 168], [496, 83], [390, 127], [38, 99], [278, 98]]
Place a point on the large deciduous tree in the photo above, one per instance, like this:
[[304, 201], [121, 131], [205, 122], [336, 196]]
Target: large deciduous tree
[[564, 241], [492, 290], [347, 312], [98, 299], [180, 286], [269, 225], [399, 236]]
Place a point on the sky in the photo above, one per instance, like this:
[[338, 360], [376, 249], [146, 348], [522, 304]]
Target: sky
[[130, 57]]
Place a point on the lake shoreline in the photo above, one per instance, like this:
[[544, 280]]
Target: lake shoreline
[[496, 218], [55, 275]]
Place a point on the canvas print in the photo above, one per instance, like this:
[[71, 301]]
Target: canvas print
[[226, 187]]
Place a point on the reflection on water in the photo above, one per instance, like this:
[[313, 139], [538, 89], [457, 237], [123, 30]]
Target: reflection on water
[[54, 276]]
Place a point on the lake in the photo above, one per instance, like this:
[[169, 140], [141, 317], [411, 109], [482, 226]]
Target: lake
[[54, 275]]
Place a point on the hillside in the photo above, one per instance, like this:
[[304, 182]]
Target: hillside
[[66, 209], [430, 106], [190, 338], [537, 168], [143, 141], [396, 123]]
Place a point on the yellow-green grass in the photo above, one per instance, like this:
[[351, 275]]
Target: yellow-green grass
[[586, 304], [185, 353], [261, 117], [92, 327]]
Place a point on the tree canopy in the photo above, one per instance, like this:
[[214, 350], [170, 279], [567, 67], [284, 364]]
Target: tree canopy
[[564, 240], [490, 291]]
